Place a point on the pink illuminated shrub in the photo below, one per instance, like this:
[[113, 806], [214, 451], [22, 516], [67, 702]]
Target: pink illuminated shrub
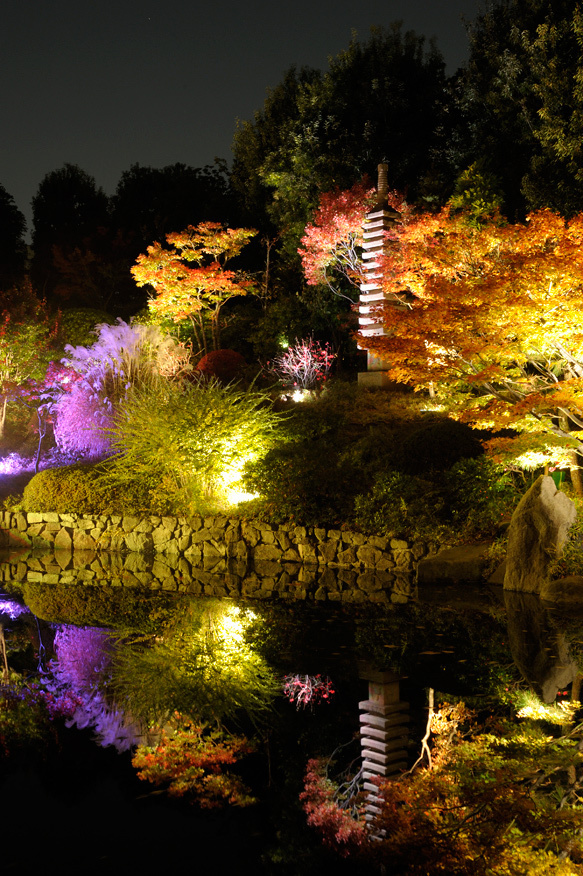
[[307, 690], [304, 365]]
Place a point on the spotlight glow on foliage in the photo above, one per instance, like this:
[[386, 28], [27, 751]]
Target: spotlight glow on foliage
[[206, 668], [230, 626]]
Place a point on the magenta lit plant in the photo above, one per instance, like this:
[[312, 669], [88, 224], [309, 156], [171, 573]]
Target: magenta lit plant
[[304, 365], [122, 356], [76, 687], [307, 690]]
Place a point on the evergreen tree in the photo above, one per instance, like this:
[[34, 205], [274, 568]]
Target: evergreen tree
[[521, 101], [12, 245]]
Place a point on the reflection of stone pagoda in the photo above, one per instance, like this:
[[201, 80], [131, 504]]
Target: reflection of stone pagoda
[[384, 720], [381, 218]]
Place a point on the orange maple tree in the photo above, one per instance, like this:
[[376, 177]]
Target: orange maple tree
[[190, 278], [491, 317]]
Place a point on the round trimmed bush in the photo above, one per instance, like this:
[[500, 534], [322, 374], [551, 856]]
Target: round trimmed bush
[[80, 489], [126, 608], [225, 365]]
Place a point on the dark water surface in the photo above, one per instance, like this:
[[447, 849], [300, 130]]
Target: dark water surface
[[82, 808]]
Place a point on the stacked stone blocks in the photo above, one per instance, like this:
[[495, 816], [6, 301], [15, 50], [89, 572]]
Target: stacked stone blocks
[[210, 556], [384, 723]]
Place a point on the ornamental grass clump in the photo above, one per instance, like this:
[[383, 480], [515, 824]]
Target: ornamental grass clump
[[190, 441], [123, 356]]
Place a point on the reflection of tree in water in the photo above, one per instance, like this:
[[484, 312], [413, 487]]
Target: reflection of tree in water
[[204, 668], [77, 686], [461, 652], [540, 644]]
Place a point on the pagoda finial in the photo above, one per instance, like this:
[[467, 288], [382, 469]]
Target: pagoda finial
[[383, 184]]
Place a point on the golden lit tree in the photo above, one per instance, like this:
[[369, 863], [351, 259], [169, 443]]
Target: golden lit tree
[[190, 279], [491, 319]]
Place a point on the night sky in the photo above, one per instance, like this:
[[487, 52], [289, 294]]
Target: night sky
[[107, 84]]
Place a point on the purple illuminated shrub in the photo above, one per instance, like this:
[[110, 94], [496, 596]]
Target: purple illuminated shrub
[[83, 424], [123, 356]]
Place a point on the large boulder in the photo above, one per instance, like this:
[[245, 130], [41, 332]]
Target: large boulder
[[538, 530]]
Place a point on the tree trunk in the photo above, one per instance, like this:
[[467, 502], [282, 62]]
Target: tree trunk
[[575, 470], [3, 417], [574, 460]]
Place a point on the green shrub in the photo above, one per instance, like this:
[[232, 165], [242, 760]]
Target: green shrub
[[472, 499], [481, 494], [301, 481], [77, 325], [399, 504], [81, 489], [437, 446]]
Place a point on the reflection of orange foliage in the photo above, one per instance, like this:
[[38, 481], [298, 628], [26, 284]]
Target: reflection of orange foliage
[[489, 803], [191, 761]]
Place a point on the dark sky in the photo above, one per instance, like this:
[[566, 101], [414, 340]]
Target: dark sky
[[107, 84]]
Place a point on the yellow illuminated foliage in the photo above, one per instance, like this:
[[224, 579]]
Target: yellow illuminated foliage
[[491, 318], [189, 276]]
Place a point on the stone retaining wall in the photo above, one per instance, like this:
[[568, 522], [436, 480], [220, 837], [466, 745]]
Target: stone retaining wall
[[211, 542]]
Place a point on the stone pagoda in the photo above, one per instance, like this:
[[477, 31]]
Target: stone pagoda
[[377, 222]]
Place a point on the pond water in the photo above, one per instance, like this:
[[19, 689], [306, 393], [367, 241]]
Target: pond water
[[69, 799]]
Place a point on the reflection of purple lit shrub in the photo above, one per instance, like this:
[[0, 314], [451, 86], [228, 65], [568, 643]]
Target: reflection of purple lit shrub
[[83, 657], [11, 608], [307, 690], [78, 675], [61, 705]]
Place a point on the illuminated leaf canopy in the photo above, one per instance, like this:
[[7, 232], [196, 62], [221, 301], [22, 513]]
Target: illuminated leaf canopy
[[189, 275], [491, 317]]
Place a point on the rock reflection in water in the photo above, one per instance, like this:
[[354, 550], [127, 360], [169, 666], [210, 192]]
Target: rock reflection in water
[[539, 645]]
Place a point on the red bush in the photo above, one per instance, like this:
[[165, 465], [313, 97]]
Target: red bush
[[225, 365]]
